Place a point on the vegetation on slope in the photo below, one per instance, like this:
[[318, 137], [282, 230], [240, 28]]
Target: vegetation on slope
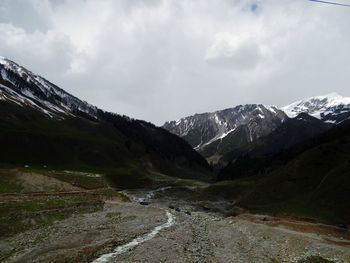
[[119, 145], [313, 183]]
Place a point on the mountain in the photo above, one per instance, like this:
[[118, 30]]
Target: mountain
[[286, 140], [219, 132], [300, 169], [41, 124], [227, 132], [311, 182], [25, 88], [331, 108]]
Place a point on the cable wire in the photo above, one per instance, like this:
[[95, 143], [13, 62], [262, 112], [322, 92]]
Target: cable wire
[[330, 3]]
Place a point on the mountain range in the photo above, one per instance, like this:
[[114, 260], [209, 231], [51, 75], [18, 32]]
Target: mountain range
[[298, 166], [224, 133], [293, 160]]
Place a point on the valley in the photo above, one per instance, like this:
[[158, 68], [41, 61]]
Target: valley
[[252, 183], [87, 220]]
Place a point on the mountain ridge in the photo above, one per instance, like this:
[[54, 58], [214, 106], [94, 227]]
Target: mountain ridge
[[41, 122], [331, 107], [214, 134], [202, 130], [34, 90]]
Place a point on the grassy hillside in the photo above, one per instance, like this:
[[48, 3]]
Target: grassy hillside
[[30, 138], [234, 140], [313, 184], [273, 150]]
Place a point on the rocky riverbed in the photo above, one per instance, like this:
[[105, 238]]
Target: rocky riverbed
[[186, 232]]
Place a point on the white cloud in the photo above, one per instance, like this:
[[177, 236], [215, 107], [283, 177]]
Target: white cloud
[[163, 59], [237, 51], [49, 52]]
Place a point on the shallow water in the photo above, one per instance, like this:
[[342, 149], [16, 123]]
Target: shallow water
[[137, 241], [144, 195]]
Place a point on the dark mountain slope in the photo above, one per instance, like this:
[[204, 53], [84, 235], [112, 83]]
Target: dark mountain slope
[[41, 124], [289, 138], [159, 140], [311, 184], [236, 139], [315, 183]]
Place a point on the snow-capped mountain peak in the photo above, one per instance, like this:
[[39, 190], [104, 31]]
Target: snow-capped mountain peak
[[2, 60], [331, 107], [23, 87]]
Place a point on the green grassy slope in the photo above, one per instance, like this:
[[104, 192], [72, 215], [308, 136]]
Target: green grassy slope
[[273, 150], [314, 184], [28, 137]]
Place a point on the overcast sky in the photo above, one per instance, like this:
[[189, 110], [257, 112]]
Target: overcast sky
[[162, 60]]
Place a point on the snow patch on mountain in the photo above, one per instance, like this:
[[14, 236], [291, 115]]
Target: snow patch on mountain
[[26, 88], [327, 107], [201, 130], [3, 60]]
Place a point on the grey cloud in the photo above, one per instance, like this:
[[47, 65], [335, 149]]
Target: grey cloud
[[46, 54], [164, 59], [23, 14], [239, 54]]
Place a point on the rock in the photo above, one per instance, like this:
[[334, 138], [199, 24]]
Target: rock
[[177, 209], [264, 218], [236, 211], [343, 226]]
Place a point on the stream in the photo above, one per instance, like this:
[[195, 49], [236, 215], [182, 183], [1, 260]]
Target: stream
[[105, 258], [137, 241]]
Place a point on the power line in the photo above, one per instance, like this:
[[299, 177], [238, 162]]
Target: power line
[[330, 3]]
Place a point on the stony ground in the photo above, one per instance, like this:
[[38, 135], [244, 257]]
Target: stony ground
[[82, 236], [198, 235], [195, 237]]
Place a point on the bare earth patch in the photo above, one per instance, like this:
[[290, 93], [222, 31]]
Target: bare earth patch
[[36, 182]]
